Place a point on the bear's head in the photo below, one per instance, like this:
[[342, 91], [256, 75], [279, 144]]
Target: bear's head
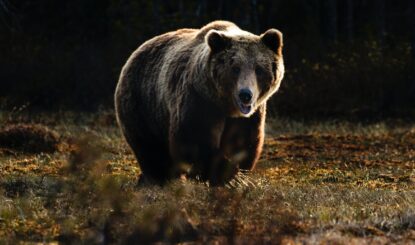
[[245, 69]]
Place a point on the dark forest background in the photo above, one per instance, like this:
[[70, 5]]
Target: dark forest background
[[344, 58]]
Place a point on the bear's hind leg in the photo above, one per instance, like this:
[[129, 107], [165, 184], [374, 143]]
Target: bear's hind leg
[[155, 163]]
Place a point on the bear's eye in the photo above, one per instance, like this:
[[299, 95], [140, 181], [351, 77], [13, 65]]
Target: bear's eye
[[259, 71], [236, 70]]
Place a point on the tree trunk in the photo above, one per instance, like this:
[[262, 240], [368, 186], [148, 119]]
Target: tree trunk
[[156, 15], [270, 11], [412, 25], [181, 7], [379, 20], [330, 20], [254, 16], [7, 16], [224, 10], [349, 21], [219, 10], [201, 8], [411, 19]]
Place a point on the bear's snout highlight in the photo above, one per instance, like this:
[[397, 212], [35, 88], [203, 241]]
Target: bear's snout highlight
[[244, 101], [245, 95]]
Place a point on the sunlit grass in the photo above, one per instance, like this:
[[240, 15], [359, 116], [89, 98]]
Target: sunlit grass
[[316, 182]]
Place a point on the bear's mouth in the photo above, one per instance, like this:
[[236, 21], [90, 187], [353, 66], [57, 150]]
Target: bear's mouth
[[245, 109]]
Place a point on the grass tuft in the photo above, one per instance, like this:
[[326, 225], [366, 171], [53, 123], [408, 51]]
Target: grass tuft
[[30, 138], [327, 182]]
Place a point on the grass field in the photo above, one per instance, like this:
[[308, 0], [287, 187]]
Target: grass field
[[317, 182]]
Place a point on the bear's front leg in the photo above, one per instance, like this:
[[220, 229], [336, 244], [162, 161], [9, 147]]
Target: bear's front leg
[[243, 138], [219, 169], [196, 141]]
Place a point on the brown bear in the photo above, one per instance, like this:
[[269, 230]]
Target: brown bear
[[194, 100]]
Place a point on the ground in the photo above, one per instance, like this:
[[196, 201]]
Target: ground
[[317, 182]]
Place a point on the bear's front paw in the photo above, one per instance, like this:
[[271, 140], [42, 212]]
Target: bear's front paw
[[222, 172]]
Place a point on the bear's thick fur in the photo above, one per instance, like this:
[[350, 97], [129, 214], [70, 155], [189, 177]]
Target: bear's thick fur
[[194, 100]]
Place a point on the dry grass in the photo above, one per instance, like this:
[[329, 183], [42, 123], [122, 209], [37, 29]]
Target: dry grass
[[320, 182], [29, 138]]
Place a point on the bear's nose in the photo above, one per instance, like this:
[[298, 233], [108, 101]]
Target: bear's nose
[[245, 95]]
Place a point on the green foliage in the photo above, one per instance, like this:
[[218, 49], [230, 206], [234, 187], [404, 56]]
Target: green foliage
[[359, 81], [350, 62]]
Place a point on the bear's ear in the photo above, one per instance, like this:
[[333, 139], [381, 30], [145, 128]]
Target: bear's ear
[[273, 40], [217, 41]]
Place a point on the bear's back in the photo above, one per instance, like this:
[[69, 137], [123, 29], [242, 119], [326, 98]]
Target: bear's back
[[159, 45], [219, 25], [154, 72]]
